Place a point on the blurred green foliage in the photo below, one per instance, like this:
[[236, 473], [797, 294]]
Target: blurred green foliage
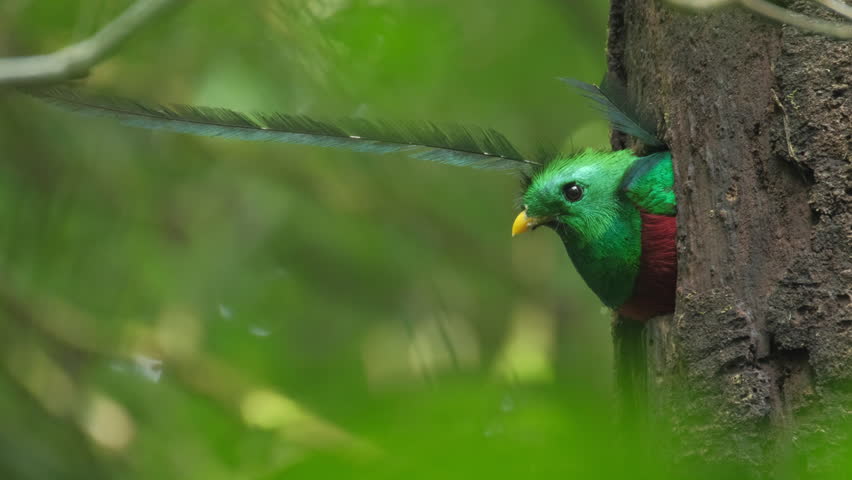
[[179, 307]]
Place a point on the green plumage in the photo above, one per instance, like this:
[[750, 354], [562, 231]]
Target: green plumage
[[648, 184], [456, 145], [605, 232], [602, 231]]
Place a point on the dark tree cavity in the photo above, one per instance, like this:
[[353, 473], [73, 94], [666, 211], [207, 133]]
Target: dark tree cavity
[[755, 367]]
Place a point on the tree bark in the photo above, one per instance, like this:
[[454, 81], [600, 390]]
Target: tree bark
[[754, 369]]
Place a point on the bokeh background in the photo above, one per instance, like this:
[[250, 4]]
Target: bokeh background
[[180, 307]]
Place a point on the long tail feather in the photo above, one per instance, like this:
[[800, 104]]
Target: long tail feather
[[477, 148], [612, 100]]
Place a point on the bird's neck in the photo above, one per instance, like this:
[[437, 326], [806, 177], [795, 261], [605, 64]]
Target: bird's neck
[[610, 263]]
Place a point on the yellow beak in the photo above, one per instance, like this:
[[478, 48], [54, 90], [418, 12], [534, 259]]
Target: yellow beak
[[523, 223]]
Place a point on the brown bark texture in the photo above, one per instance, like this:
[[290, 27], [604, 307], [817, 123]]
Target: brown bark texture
[[755, 366]]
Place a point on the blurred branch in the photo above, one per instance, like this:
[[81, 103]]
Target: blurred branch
[[838, 6], [65, 331], [783, 15], [76, 60], [701, 4], [55, 321]]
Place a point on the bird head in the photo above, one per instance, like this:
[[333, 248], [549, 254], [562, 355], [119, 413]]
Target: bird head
[[578, 196]]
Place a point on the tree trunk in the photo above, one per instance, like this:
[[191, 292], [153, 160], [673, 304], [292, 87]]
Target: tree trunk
[[755, 367]]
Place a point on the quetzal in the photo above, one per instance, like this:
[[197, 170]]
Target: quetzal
[[614, 211]]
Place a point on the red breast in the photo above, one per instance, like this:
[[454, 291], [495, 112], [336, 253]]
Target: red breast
[[654, 290]]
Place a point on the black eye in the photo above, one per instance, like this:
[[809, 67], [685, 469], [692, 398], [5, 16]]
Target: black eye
[[572, 192]]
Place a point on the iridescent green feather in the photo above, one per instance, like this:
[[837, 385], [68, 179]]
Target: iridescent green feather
[[649, 183], [459, 146]]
